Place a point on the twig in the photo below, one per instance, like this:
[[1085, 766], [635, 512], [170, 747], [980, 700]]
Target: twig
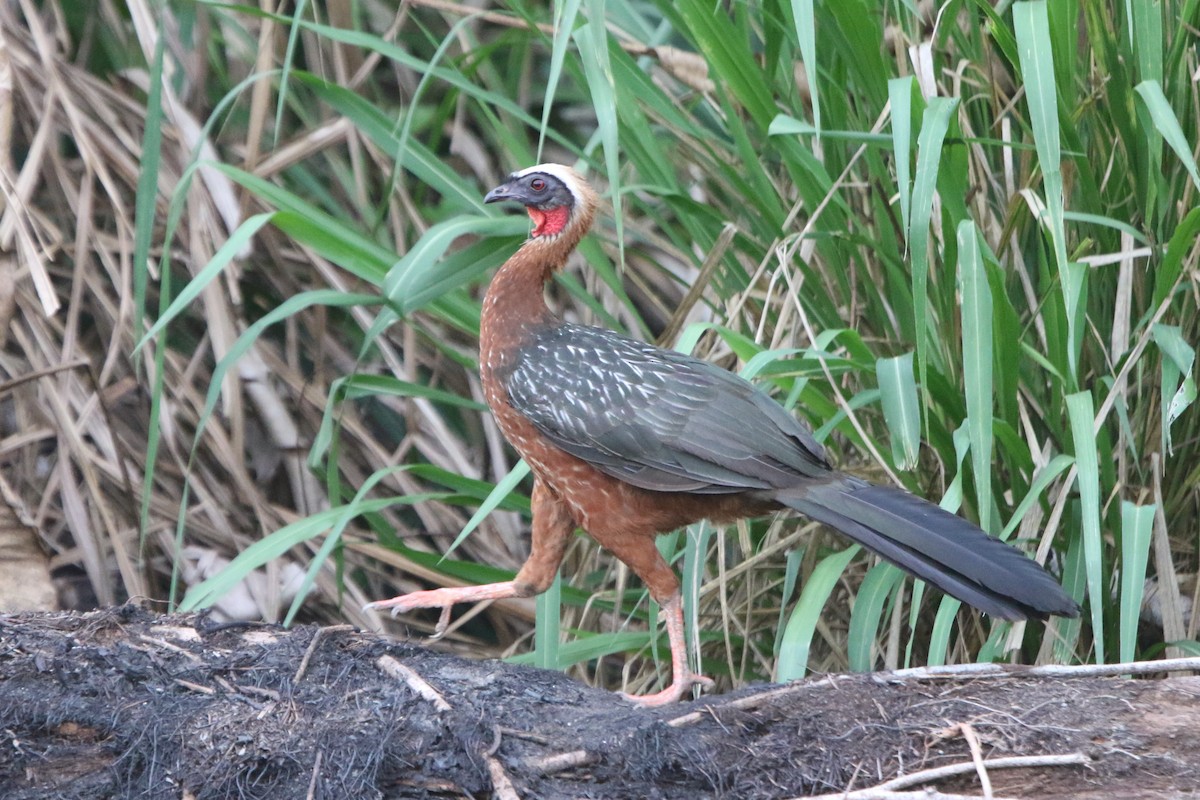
[[749, 701], [414, 681], [195, 687], [985, 782], [949, 771], [1043, 671], [312, 648], [316, 773], [502, 786], [972, 671], [560, 762], [876, 794]]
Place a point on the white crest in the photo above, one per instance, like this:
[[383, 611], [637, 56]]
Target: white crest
[[570, 178]]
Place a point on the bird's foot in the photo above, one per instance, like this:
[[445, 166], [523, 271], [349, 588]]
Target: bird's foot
[[680, 686], [444, 599]]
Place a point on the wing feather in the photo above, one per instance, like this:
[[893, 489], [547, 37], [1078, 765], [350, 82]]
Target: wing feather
[[658, 419]]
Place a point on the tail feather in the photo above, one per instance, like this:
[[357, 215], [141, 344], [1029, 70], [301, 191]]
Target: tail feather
[[936, 546]]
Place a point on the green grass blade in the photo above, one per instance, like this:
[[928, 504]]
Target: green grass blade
[[943, 627], [590, 646], [1058, 465], [729, 58], [291, 306], [592, 41], [934, 124], [1178, 386], [1168, 125], [806, 37], [1178, 250], [547, 630], [869, 602], [1148, 41], [977, 364], [1035, 49], [695, 552], [146, 203], [285, 69], [1137, 525], [802, 625], [407, 283], [791, 573], [1082, 418], [145, 209], [506, 485], [334, 536], [216, 265], [565, 13], [900, 92], [901, 408], [276, 544]]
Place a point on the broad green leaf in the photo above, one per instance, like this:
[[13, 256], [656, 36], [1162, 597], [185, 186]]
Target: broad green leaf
[[565, 13], [869, 602], [407, 283], [1178, 388], [797, 636], [592, 41], [900, 92], [547, 631], [1034, 46], [977, 365], [1167, 123], [934, 124], [1082, 418], [806, 37], [1137, 525], [901, 408]]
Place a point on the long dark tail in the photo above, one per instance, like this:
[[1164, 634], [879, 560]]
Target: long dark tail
[[935, 545]]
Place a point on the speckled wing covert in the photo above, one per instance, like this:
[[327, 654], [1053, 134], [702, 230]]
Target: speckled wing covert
[[655, 418]]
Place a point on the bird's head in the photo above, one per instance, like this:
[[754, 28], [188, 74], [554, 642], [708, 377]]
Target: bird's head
[[557, 198]]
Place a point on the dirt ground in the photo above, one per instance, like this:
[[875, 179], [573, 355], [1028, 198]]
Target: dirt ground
[[122, 703]]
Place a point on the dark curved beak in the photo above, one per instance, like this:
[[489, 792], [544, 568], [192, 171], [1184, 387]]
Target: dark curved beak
[[500, 193]]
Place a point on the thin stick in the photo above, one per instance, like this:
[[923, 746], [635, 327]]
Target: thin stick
[[559, 762], [414, 681], [876, 794], [1043, 671], [502, 786], [951, 770], [316, 773], [985, 782], [312, 648], [973, 671]]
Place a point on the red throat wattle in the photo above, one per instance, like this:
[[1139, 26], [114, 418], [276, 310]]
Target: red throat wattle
[[549, 222]]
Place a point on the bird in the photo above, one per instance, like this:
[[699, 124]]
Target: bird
[[628, 441]]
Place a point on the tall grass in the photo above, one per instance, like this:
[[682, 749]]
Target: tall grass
[[963, 248]]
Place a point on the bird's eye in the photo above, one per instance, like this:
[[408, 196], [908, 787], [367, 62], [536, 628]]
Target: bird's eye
[[537, 184]]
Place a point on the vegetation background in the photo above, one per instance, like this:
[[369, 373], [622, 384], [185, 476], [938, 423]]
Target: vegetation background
[[244, 248]]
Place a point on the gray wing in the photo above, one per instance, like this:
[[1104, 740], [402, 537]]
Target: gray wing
[[655, 418]]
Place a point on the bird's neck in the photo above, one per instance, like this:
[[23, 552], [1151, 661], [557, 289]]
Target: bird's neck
[[515, 304]]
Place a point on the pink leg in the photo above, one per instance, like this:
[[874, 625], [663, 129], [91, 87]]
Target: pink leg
[[552, 527], [446, 598], [682, 677]]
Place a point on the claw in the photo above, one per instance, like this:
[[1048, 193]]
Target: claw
[[672, 694], [443, 622], [443, 599]]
